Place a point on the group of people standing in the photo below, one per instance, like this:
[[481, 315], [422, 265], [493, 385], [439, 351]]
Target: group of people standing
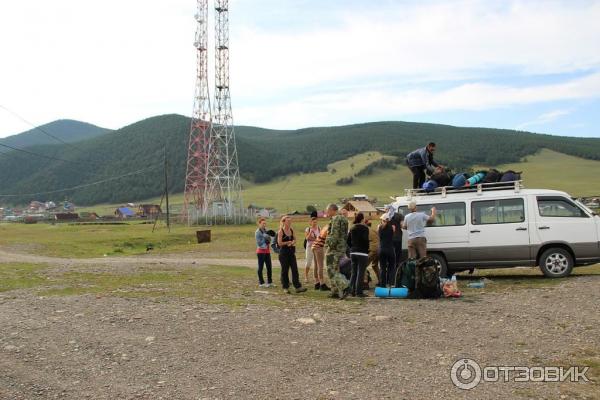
[[326, 246]]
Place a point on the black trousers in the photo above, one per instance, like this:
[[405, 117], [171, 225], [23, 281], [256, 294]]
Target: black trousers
[[264, 259], [359, 266], [398, 253], [288, 262], [418, 176], [387, 267]]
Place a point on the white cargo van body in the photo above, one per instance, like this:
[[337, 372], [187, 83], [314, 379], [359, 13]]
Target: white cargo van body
[[506, 227]]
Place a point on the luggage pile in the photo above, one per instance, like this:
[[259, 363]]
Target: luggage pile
[[419, 279], [445, 178]]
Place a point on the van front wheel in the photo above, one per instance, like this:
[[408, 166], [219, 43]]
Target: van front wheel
[[442, 265], [556, 263]]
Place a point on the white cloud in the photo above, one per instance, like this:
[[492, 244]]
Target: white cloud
[[115, 62], [544, 119], [431, 40], [369, 105]]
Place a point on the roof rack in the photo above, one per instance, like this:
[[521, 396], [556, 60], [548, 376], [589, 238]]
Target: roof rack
[[479, 189]]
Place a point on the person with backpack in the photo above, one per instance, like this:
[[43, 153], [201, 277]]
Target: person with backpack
[[415, 223], [310, 235], [319, 258], [263, 253], [420, 161], [287, 255], [387, 257], [335, 248], [358, 242]]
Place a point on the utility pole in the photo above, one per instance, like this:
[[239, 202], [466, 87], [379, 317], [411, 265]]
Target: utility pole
[[167, 190]]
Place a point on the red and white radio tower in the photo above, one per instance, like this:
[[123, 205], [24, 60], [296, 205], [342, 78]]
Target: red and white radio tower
[[212, 186]]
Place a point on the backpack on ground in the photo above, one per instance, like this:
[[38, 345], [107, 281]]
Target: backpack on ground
[[405, 275], [427, 279]]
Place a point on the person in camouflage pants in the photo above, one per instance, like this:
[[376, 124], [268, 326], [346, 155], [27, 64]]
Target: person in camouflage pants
[[335, 248]]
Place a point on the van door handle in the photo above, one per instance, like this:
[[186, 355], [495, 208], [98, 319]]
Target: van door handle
[[544, 227], [475, 231], [521, 229]]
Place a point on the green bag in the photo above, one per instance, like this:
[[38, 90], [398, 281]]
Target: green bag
[[405, 276]]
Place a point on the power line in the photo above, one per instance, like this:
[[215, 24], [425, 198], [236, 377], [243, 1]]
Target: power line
[[31, 153], [39, 128], [84, 185]]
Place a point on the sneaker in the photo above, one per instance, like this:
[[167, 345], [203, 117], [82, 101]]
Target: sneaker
[[324, 287], [286, 291], [300, 290], [317, 286], [263, 285], [270, 285], [334, 296], [362, 295]]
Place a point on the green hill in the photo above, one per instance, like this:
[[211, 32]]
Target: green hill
[[265, 156], [546, 169], [66, 129]]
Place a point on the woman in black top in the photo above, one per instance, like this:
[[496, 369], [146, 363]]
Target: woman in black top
[[387, 258], [358, 243], [287, 255]]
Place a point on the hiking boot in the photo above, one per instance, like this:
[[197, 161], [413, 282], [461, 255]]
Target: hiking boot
[[317, 286], [324, 287], [345, 293], [300, 290]]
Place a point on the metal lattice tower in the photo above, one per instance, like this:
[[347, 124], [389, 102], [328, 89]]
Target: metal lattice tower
[[213, 188], [223, 187], [195, 202]]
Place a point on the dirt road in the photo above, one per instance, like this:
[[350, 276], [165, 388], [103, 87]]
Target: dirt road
[[108, 347]]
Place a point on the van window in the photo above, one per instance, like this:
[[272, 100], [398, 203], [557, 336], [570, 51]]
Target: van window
[[447, 214], [559, 207], [503, 211]]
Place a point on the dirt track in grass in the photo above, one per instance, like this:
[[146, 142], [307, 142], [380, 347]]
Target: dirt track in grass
[[113, 347]]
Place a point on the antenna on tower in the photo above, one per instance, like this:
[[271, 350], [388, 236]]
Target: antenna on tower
[[212, 187]]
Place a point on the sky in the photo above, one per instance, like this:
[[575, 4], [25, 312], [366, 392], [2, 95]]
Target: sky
[[525, 65]]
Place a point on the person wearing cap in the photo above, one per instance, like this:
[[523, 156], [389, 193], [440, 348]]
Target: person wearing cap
[[415, 223], [387, 258], [420, 161]]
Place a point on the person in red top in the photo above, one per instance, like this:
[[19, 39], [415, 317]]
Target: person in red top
[[263, 253]]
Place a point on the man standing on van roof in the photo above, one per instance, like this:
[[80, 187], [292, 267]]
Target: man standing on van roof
[[420, 161], [414, 223]]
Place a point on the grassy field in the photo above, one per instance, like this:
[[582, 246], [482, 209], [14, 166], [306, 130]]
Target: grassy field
[[87, 241], [551, 170], [547, 169]]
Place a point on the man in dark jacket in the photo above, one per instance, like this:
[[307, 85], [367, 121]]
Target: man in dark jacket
[[420, 162]]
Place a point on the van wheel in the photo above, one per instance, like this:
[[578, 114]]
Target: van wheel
[[442, 265], [556, 263]]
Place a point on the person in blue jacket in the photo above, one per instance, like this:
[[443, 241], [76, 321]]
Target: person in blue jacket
[[421, 161]]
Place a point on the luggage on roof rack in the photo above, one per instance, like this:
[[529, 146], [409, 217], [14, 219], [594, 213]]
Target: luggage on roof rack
[[479, 188]]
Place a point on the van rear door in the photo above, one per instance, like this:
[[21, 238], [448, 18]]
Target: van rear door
[[498, 232]]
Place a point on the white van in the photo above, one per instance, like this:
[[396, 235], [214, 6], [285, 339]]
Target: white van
[[506, 226]]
